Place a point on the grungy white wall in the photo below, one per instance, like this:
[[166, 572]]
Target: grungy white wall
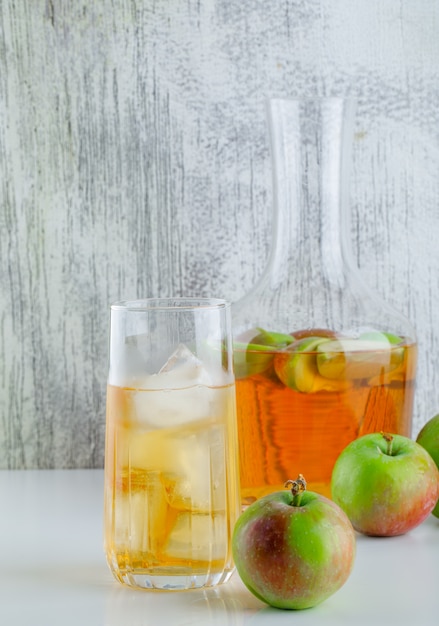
[[134, 162]]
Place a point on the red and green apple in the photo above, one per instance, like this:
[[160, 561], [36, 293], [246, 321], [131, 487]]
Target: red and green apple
[[386, 484], [293, 549]]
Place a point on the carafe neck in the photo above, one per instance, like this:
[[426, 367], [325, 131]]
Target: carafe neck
[[310, 144], [311, 279]]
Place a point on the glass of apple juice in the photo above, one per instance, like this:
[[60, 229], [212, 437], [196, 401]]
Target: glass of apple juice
[[172, 492]]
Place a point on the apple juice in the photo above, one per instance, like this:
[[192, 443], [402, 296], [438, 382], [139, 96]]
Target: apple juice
[[171, 471], [299, 404]]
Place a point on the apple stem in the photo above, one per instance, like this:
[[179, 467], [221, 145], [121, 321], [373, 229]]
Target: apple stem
[[298, 486], [389, 439]]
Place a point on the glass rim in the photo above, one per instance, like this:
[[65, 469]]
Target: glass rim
[[170, 304]]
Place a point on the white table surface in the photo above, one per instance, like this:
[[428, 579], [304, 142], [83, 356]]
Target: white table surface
[[53, 570]]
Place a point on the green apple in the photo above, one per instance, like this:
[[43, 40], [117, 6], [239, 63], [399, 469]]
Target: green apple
[[386, 484], [256, 355], [428, 438], [293, 549]]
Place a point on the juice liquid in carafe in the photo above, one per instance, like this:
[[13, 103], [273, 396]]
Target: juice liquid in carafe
[[298, 407]]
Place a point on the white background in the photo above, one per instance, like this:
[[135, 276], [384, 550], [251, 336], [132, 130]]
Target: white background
[[53, 571]]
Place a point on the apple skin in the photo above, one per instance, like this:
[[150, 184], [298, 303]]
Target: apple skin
[[428, 438], [293, 556], [385, 493]]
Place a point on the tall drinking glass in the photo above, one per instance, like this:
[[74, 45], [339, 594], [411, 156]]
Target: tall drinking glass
[[171, 461]]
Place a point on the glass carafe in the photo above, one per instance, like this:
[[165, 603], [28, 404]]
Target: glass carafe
[[320, 359]]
